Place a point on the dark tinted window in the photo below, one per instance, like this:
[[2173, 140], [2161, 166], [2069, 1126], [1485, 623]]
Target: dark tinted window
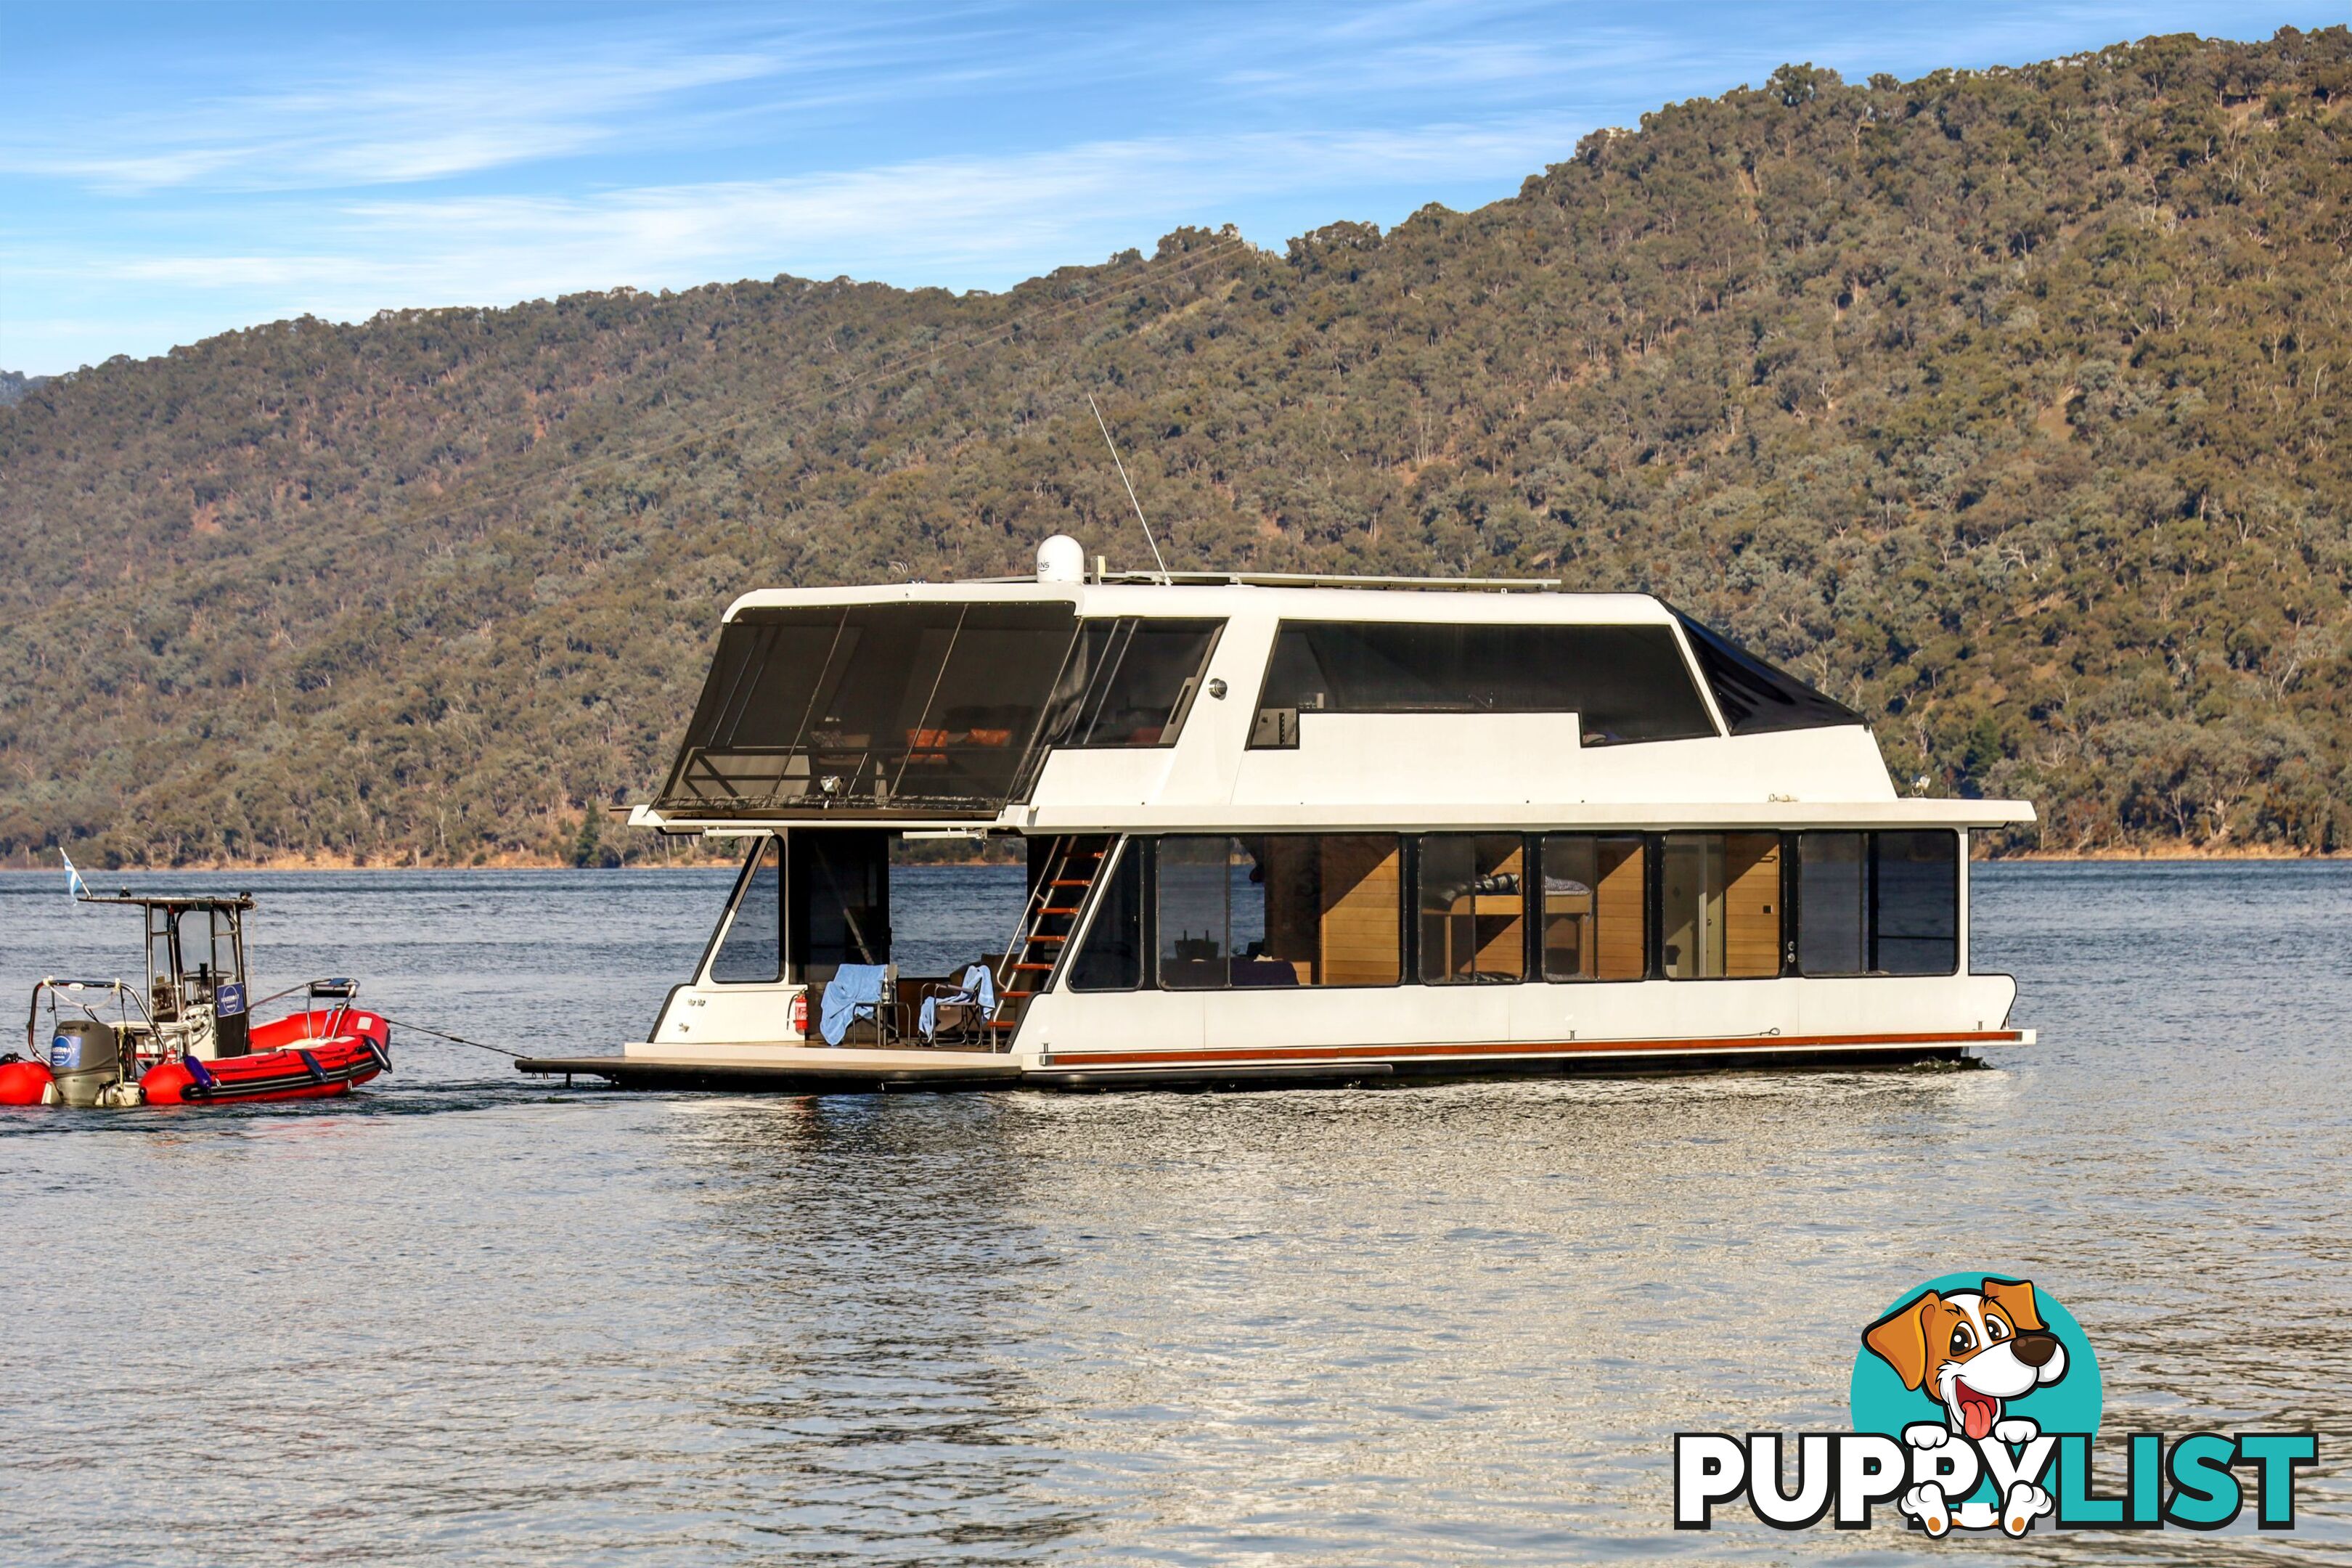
[[1195, 917], [1130, 682], [1833, 903], [1757, 697], [1627, 683], [1878, 903], [1112, 958], [904, 708], [752, 950], [1917, 903]]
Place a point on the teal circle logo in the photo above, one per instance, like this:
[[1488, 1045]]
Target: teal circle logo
[[1976, 1352]]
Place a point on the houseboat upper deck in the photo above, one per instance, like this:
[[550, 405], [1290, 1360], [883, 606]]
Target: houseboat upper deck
[[1302, 828]]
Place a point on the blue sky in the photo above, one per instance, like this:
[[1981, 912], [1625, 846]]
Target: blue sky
[[168, 171]]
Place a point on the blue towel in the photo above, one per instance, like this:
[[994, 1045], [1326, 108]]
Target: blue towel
[[978, 987], [855, 989]]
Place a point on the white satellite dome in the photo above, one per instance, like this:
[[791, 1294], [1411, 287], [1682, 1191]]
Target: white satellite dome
[[1061, 559]]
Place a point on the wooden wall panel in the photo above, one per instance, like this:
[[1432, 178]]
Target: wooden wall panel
[[1362, 886], [1621, 901], [1751, 905]]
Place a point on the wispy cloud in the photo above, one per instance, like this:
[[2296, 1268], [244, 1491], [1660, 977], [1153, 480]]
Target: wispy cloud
[[968, 220], [201, 168], [393, 122]]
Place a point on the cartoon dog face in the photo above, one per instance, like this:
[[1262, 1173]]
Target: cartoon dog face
[[1972, 1350]]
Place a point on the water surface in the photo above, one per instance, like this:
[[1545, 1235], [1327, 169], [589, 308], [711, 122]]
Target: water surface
[[466, 1316]]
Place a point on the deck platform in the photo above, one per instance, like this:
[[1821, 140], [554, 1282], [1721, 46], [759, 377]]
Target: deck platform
[[782, 1067], [809, 1069]]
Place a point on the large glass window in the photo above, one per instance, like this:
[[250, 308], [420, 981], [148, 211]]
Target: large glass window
[[901, 707], [1595, 907], [1130, 682], [752, 950], [1195, 938], [1112, 956], [1473, 907], [1720, 906], [1917, 903], [1279, 909], [1626, 683], [1833, 903], [1878, 903]]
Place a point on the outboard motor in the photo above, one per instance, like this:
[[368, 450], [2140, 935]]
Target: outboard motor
[[86, 1059]]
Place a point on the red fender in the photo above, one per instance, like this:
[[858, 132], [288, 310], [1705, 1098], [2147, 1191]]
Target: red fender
[[24, 1083], [164, 1083]]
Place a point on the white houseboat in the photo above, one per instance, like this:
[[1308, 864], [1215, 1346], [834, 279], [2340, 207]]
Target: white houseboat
[[1301, 828]]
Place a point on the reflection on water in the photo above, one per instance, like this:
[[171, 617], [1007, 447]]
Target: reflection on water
[[467, 1316]]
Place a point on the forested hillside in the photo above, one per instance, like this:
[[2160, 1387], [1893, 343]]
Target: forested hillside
[[2007, 405]]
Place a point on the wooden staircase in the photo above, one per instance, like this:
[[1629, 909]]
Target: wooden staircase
[[1068, 874]]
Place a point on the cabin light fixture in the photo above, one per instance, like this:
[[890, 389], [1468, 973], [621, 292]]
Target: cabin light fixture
[[1217, 689]]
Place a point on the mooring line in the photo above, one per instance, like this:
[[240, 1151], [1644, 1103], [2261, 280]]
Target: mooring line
[[439, 1034]]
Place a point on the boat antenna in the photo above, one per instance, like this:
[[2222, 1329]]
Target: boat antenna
[[1156, 559]]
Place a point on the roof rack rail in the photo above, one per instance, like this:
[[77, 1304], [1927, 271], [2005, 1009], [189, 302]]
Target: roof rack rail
[[1305, 580]]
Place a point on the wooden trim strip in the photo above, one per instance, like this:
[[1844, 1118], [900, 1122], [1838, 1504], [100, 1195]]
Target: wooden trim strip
[[1210, 1058]]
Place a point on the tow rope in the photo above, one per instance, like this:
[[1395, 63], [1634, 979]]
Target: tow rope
[[439, 1034]]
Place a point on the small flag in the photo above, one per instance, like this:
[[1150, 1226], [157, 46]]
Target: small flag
[[75, 887]]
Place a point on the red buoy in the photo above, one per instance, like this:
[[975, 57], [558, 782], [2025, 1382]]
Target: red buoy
[[24, 1083]]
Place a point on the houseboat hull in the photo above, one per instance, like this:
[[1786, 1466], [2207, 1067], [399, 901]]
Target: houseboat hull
[[802, 1069]]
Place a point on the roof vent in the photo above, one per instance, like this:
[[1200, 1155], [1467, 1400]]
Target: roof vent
[[1061, 559]]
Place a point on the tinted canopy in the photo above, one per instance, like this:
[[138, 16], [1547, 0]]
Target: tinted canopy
[[895, 709], [1757, 697]]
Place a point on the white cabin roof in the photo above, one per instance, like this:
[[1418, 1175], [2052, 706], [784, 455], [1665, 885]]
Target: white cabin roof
[[1368, 770], [1330, 599]]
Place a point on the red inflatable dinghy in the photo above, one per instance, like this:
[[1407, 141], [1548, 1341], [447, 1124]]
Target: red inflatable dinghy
[[311, 1071], [189, 1036]]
